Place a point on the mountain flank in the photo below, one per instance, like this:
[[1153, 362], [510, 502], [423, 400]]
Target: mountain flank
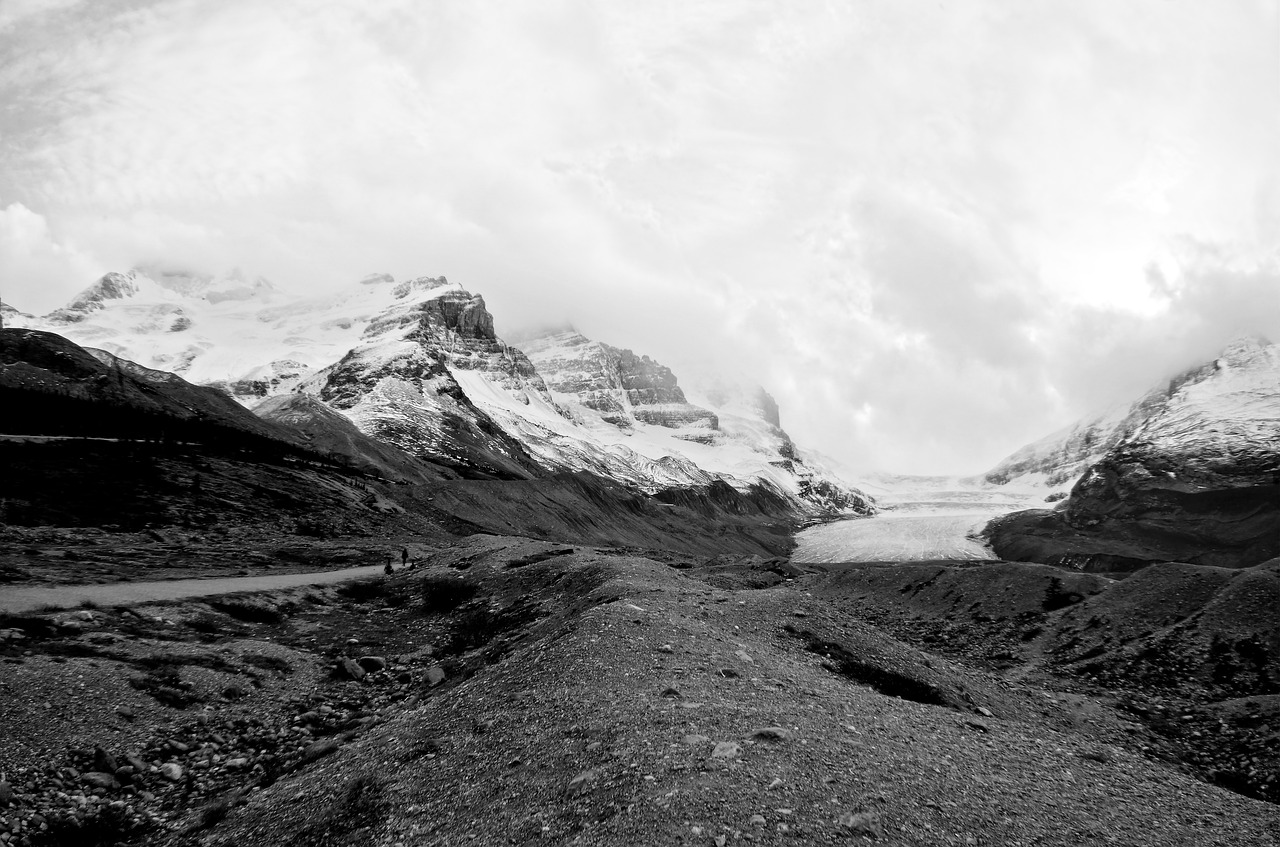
[[1191, 473]]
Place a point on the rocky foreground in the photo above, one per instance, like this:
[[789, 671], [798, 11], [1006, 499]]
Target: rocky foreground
[[510, 691]]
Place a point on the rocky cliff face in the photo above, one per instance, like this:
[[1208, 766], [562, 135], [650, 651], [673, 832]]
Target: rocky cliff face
[[623, 387], [1194, 473], [655, 397]]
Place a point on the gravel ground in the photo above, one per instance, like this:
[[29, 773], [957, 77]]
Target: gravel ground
[[647, 707]]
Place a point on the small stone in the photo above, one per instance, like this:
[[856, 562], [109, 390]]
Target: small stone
[[757, 820], [726, 750], [695, 831], [775, 785], [985, 712], [721, 840], [372, 664], [126, 713], [695, 740], [171, 771], [744, 656], [85, 615], [6, 793], [670, 692], [666, 648], [772, 733], [436, 675], [582, 783], [863, 823]]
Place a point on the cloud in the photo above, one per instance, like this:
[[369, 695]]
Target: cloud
[[29, 252], [23, 12], [924, 227]]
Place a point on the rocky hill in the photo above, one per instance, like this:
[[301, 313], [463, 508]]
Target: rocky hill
[[418, 365], [1192, 474]]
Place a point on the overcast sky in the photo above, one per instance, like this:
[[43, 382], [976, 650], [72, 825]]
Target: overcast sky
[[933, 230]]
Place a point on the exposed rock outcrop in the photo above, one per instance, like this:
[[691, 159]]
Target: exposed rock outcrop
[[623, 387]]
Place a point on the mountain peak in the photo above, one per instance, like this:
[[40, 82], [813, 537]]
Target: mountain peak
[[110, 286], [1244, 348]]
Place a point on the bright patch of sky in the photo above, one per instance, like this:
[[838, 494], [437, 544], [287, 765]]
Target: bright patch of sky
[[935, 231]]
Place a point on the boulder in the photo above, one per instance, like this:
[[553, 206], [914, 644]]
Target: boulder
[[350, 669], [98, 779]]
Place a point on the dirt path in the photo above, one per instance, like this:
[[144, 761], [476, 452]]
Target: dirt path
[[15, 600]]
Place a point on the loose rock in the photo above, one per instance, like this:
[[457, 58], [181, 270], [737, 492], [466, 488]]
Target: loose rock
[[726, 750], [98, 779], [863, 823], [351, 670], [582, 783]]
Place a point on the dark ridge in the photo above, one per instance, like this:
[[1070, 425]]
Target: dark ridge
[[887, 682]]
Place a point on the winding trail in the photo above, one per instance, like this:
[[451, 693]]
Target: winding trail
[[15, 600]]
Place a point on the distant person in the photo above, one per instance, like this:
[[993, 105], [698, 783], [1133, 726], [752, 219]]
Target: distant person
[[389, 569], [404, 556]]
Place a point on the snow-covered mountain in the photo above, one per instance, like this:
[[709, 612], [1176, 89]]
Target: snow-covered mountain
[[1191, 471], [1229, 399], [1215, 427], [419, 365]]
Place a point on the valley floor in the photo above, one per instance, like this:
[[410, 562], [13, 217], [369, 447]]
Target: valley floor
[[512, 691]]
